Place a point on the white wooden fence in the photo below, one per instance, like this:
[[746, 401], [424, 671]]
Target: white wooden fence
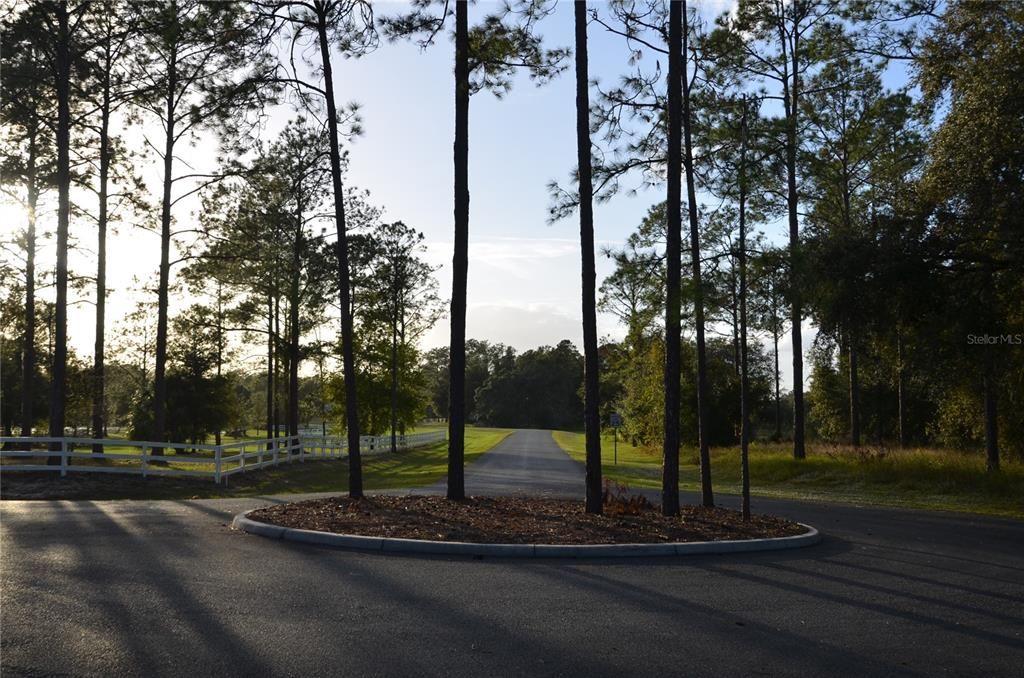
[[211, 461]]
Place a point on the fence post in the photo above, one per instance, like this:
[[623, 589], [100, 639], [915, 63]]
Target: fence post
[[144, 455], [217, 453], [302, 449], [63, 457]]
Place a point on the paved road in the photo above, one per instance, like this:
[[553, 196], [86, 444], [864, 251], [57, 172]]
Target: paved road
[[526, 462], [167, 588]]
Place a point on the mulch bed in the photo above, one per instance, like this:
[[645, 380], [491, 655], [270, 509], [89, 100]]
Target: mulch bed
[[517, 520]]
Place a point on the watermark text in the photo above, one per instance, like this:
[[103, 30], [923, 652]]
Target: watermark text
[[995, 339]]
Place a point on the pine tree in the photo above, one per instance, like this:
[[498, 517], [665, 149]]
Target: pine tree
[[204, 65], [486, 56]]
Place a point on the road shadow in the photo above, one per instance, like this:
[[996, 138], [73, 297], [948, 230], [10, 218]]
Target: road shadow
[[139, 596]]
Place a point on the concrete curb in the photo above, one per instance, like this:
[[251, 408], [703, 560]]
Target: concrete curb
[[459, 548]]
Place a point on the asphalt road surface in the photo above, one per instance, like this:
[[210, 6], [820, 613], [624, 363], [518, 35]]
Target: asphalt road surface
[[526, 462], [158, 588]]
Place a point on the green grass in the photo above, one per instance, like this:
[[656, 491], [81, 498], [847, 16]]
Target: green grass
[[919, 478], [412, 468]]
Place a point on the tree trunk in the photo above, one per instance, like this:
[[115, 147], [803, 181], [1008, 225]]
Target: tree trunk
[[58, 375], [991, 420], [402, 346], [791, 94], [901, 390], [854, 393], [707, 494], [355, 466], [394, 385], [673, 256], [277, 366], [293, 338], [29, 350], [460, 262], [98, 364], [220, 346], [591, 376], [734, 311], [270, 370], [744, 372], [159, 432], [775, 351]]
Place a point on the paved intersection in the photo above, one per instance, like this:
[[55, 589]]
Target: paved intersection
[[167, 588]]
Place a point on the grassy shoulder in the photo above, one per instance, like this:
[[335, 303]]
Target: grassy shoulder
[[919, 478], [411, 468]]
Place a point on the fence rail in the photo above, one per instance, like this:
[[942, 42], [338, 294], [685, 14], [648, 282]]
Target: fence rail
[[211, 461]]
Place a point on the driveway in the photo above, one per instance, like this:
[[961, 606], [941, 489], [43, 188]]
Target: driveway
[[167, 588], [526, 462]]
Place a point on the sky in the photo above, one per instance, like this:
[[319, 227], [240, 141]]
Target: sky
[[524, 276]]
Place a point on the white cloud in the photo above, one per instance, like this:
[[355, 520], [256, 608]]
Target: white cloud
[[522, 326]]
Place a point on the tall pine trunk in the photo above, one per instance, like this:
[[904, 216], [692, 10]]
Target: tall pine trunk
[[293, 329], [355, 466], [220, 347], [744, 370], [791, 94], [991, 388], [673, 259], [294, 337], [58, 375], [402, 346], [775, 352], [160, 364], [460, 262], [29, 349], [394, 386], [98, 363], [397, 314], [707, 494], [293, 356], [854, 392], [591, 406], [270, 370], [901, 390], [277, 365], [734, 311]]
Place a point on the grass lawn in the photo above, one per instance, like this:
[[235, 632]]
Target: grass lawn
[[919, 478], [412, 468]]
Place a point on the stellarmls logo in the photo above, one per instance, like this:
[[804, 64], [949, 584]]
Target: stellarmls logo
[[995, 339]]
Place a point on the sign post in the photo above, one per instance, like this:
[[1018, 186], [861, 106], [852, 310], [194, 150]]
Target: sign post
[[326, 409], [616, 421]]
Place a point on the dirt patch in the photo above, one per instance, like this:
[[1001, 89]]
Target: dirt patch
[[516, 520]]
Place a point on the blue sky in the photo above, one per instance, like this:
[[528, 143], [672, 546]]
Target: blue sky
[[520, 265], [524, 280]]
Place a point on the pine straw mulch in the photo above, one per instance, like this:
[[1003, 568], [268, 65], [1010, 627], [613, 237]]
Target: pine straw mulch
[[518, 520]]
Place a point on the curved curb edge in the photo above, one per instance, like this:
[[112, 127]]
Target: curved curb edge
[[457, 548]]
